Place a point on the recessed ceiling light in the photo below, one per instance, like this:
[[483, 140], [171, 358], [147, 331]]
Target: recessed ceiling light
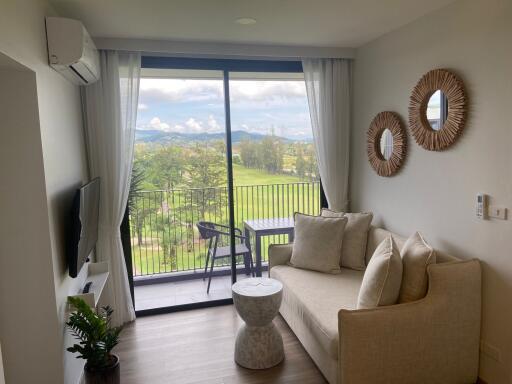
[[245, 21]]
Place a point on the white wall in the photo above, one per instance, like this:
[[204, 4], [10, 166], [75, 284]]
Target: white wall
[[435, 192], [63, 163], [27, 293]]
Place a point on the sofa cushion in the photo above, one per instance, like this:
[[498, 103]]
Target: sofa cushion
[[315, 299], [416, 256], [317, 243], [376, 235], [353, 250], [383, 276]]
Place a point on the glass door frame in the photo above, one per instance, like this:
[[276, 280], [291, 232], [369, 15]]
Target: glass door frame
[[226, 66]]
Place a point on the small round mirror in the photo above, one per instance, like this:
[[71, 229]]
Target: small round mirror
[[386, 144], [437, 110]]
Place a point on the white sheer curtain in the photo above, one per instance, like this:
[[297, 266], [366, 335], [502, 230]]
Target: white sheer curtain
[[328, 85], [110, 114]]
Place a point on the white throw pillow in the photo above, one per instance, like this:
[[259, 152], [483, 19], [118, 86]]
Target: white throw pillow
[[353, 251], [416, 256], [382, 278], [317, 243]]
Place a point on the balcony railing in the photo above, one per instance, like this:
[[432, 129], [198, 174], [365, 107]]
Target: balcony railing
[[163, 232]]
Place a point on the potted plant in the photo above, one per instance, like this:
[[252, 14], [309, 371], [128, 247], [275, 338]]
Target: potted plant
[[96, 338]]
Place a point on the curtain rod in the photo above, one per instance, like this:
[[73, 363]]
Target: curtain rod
[[221, 50]]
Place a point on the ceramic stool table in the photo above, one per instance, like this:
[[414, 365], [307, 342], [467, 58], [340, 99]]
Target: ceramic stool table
[[258, 343]]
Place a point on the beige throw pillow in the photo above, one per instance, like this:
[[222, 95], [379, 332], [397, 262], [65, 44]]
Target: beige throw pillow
[[317, 243], [382, 278], [416, 256], [354, 241]]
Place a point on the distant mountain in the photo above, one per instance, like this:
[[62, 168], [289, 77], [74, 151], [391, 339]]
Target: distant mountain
[[161, 137]]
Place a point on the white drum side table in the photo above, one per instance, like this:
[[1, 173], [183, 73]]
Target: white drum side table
[[258, 343]]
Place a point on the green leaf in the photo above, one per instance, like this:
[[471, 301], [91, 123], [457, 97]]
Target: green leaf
[[93, 331]]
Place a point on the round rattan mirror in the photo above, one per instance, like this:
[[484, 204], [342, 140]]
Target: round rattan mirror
[[386, 143], [437, 110]]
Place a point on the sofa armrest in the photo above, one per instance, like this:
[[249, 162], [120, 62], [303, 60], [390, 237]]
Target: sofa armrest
[[433, 340], [279, 254]]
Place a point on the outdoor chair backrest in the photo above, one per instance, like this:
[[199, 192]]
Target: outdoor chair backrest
[[207, 230]]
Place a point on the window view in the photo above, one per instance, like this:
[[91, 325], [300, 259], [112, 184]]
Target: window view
[[437, 110], [275, 170], [179, 177]]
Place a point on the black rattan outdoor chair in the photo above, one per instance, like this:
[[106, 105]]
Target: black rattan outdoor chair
[[213, 232]]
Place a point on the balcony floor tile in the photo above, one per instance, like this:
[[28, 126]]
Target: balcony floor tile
[[183, 292]]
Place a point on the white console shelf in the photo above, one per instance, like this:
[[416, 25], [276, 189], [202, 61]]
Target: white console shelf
[[97, 274]]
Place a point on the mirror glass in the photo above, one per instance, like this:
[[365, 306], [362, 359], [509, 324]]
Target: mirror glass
[[386, 144], [437, 110]]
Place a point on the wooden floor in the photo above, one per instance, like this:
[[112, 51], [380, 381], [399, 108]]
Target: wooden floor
[[196, 347]]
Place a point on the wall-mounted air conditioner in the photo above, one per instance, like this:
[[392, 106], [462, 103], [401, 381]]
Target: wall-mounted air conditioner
[[71, 50]]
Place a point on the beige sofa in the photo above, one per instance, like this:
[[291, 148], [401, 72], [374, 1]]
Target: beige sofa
[[433, 340]]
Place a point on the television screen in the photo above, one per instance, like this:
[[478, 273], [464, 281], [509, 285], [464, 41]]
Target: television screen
[[84, 225]]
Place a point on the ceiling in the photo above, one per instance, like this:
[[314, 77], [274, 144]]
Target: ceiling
[[315, 23]]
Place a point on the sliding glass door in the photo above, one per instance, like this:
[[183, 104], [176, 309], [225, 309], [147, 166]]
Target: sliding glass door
[[195, 183], [180, 212], [274, 171]]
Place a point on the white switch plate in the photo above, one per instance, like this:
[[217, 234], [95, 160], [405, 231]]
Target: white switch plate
[[498, 212]]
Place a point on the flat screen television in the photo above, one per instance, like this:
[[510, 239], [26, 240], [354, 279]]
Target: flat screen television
[[84, 225]]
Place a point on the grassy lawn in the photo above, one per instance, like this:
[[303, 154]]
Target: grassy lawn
[[250, 176], [148, 260], [256, 196]]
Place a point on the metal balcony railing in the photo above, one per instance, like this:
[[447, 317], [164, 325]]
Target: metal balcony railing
[[164, 237]]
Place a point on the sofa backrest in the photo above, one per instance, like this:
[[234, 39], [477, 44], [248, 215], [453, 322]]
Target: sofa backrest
[[376, 235]]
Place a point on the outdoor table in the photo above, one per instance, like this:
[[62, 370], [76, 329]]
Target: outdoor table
[[266, 227]]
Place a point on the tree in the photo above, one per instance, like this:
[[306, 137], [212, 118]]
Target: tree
[[205, 178], [300, 163], [266, 154], [137, 215], [311, 163], [167, 164], [249, 153], [168, 243], [219, 146], [271, 154], [206, 172], [236, 158]]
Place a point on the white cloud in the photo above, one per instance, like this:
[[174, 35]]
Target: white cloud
[[195, 106], [179, 128], [180, 90], [191, 125], [257, 128], [213, 125], [268, 93], [194, 125], [156, 124], [259, 93]]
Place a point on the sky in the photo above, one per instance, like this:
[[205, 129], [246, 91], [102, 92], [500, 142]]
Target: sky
[[197, 106]]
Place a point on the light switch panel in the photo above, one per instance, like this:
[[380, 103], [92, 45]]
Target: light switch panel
[[498, 212]]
